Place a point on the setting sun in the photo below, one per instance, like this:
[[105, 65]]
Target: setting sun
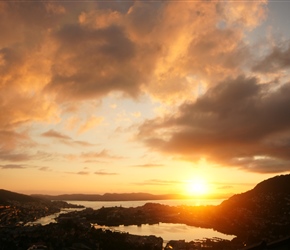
[[197, 187]]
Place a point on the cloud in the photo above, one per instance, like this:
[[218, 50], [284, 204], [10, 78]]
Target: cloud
[[78, 73], [90, 123], [149, 165], [14, 157], [102, 172], [23, 65], [64, 138], [10, 140], [159, 182], [101, 154], [79, 173], [64, 54], [137, 55], [83, 143], [44, 169], [235, 120], [71, 52], [12, 166], [83, 173], [54, 134], [264, 164], [278, 59]]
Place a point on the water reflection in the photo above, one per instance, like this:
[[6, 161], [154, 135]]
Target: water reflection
[[193, 202], [171, 231], [51, 218]]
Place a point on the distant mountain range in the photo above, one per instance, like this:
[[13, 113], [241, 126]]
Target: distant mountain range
[[111, 197]]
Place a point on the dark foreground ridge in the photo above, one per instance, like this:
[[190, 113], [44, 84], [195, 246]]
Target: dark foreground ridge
[[73, 234], [260, 219]]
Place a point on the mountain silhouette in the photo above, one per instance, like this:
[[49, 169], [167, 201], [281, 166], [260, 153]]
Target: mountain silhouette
[[263, 212]]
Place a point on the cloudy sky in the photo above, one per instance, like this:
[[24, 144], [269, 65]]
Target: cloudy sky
[[143, 96]]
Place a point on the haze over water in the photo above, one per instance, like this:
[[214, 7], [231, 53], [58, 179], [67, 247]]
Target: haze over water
[[192, 202]]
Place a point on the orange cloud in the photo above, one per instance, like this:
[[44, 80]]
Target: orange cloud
[[90, 123], [79, 52], [66, 53], [64, 138]]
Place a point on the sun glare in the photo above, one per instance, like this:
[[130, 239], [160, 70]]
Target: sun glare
[[197, 187]]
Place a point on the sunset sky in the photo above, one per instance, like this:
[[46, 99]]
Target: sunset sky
[[143, 96]]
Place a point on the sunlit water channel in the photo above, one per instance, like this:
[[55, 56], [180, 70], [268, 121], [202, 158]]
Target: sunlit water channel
[[168, 231], [171, 231]]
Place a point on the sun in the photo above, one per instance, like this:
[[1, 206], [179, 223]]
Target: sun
[[197, 187]]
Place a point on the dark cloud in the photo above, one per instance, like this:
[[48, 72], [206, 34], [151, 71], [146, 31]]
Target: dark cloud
[[263, 164], [239, 122], [278, 59], [93, 62]]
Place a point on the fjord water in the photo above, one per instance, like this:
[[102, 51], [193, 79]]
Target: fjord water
[[168, 231], [171, 231], [192, 202]]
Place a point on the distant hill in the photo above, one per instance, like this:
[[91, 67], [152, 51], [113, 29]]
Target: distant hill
[[7, 196], [110, 197]]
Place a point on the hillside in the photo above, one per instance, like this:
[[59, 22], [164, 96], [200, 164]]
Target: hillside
[[273, 195], [263, 212], [18, 209], [7, 196]]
